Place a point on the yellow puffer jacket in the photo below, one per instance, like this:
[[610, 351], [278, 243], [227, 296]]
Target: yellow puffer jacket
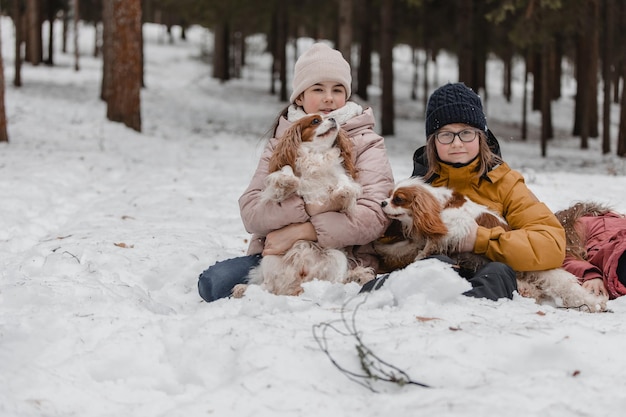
[[537, 241]]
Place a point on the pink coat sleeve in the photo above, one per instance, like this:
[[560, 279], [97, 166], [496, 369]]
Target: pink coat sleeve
[[582, 269]]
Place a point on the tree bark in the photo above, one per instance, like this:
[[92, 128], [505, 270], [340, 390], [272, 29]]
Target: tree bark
[[386, 68], [364, 72], [621, 137], [345, 30], [76, 22], [546, 101], [465, 38], [33, 39], [221, 69], [123, 104], [607, 62], [17, 22], [4, 136]]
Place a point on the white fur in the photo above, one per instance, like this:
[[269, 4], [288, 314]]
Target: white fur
[[555, 285], [322, 178]]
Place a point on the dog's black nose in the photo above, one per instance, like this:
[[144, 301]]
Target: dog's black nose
[[383, 203]]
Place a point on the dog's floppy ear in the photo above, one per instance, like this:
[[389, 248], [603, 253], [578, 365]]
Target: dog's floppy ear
[[345, 146], [287, 149], [427, 215]]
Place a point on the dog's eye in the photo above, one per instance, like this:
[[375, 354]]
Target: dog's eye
[[398, 201], [316, 121]]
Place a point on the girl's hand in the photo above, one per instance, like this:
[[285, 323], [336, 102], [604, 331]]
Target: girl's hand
[[596, 286], [279, 241]]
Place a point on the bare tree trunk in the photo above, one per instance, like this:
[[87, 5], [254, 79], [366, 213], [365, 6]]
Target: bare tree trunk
[[386, 67], [581, 113], [221, 69], [4, 136], [97, 39], [507, 80], [364, 72], [281, 44], [621, 137], [33, 39], [17, 22], [65, 27], [271, 47], [524, 133], [107, 55], [427, 52], [594, 59], [465, 38], [546, 101], [76, 22], [607, 62], [123, 105], [415, 80], [345, 29], [51, 18]]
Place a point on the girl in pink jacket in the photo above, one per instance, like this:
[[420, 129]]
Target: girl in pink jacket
[[321, 84], [596, 248]]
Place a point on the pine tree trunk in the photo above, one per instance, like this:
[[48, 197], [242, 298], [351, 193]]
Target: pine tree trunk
[[386, 67], [123, 104], [546, 100], [4, 136], [607, 62], [17, 22], [221, 70], [33, 39], [281, 45], [345, 29], [621, 137], [364, 71], [76, 48], [107, 44], [465, 38]]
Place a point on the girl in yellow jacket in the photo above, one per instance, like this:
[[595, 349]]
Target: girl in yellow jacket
[[461, 153]]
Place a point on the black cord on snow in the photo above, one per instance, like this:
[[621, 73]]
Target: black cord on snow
[[373, 367]]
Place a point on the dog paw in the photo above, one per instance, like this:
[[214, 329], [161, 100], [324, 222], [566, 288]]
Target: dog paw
[[280, 186], [345, 197], [239, 290], [361, 275]]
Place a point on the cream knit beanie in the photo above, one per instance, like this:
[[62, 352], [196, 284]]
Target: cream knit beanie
[[320, 63]]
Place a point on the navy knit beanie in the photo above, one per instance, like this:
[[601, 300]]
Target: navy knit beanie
[[454, 103]]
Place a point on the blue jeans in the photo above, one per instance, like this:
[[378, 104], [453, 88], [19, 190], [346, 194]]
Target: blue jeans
[[218, 281]]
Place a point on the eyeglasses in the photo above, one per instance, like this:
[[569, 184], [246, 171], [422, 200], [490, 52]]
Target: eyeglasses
[[446, 138]]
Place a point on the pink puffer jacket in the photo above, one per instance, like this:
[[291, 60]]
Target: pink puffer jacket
[[334, 229], [605, 243]]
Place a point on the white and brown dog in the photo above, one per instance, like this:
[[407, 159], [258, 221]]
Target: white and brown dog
[[435, 220], [313, 159]]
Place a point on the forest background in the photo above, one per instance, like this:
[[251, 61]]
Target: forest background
[[104, 230], [549, 36]]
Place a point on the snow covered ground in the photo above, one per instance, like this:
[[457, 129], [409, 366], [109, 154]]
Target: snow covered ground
[[103, 232]]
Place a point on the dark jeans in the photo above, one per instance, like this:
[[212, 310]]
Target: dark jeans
[[494, 281], [218, 281]]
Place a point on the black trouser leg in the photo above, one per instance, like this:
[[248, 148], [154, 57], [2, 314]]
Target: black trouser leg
[[495, 280]]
